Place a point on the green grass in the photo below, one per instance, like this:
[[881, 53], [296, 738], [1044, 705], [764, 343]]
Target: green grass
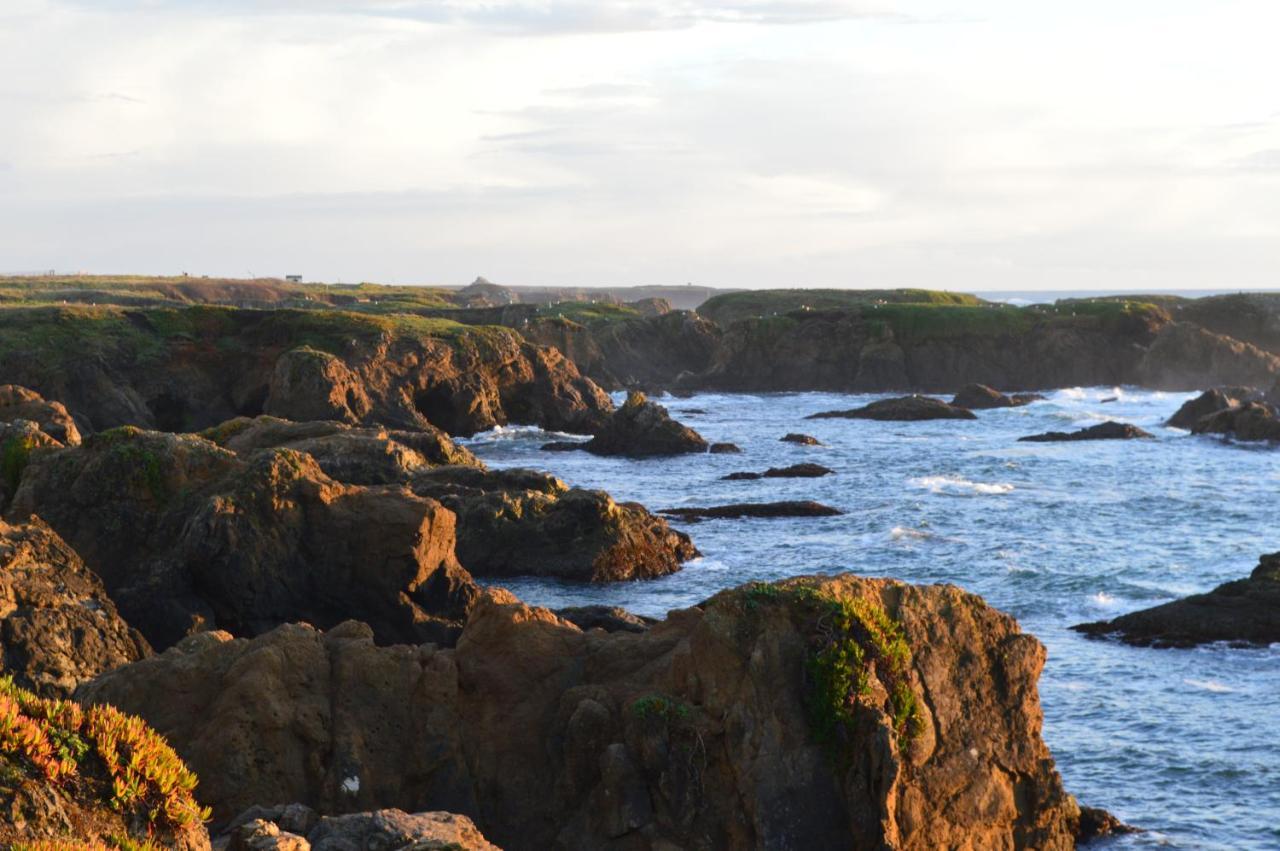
[[727, 308], [587, 312]]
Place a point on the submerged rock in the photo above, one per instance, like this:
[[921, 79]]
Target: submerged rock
[[1246, 611], [58, 627], [786, 508], [795, 471], [800, 439], [1248, 422], [641, 428], [981, 397], [551, 737], [1109, 430], [901, 409]]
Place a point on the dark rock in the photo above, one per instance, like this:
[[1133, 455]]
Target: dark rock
[[608, 618], [563, 446], [725, 449], [786, 508], [1104, 431], [58, 627], [641, 428], [800, 439], [550, 737], [1108, 400], [1248, 422], [1096, 824], [1246, 611], [981, 397], [1210, 402], [902, 409], [795, 471]]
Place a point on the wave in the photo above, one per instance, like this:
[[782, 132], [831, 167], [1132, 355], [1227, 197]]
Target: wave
[[1210, 685], [900, 532], [956, 485]]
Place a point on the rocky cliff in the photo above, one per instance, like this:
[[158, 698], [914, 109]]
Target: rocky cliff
[[817, 713], [188, 369]]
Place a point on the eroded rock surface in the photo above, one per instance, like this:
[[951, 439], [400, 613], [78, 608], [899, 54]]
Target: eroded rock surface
[[21, 403], [1210, 402], [58, 627], [698, 732]]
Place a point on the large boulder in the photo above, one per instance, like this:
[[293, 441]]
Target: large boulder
[[58, 627], [1249, 421], [641, 428], [1210, 402], [381, 829], [1246, 611], [521, 522], [187, 535], [21, 403], [817, 713], [901, 409], [1109, 430]]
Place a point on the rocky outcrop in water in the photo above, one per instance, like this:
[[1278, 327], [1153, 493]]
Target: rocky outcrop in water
[[58, 627], [187, 535], [1249, 421], [1103, 431], [800, 439], [979, 397], [794, 471], [726, 725], [1244, 612], [903, 409], [1210, 402], [785, 508], [641, 428], [192, 368]]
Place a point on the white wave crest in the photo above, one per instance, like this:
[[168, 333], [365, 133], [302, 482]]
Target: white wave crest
[[900, 532], [1210, 685], [957, 485]]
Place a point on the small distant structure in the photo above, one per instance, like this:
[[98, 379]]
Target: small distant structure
[[293, 279]]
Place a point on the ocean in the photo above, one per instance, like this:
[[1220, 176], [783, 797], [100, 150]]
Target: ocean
[[1182, 743]]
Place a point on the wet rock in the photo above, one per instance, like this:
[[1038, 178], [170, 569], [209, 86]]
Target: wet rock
[[564, 446], [1246, 612], [1104, 431], [58, 627], [551, 737], [725, 449], [641, 428], [902, 409], [786, 508], [21, 403], [795, 471], [1098, 824], [977, 397], [1211, 402], [800, 439], [1249, 421]]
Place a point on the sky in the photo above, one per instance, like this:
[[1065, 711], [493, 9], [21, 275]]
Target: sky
[[968, 145]]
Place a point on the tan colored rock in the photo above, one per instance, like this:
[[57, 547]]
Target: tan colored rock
[[58, 628], [21, 403], [696, 733]]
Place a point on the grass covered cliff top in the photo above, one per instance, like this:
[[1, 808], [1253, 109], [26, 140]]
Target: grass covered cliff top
[[727, 308]]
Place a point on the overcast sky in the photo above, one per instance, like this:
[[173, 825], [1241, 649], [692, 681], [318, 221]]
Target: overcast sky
[[971, 145]]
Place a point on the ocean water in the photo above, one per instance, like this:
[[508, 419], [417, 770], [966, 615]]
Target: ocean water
[[1184, 743]]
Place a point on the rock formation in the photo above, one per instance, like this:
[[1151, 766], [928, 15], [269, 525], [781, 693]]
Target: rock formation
[[641, 428], [20, 403], [795, 471], [903, 409], [382, 829], [192, 368], [187, 535], [977, 397], [817, 713], [1246, 611], [1210, 402], [785, 508], [1248, 421], [58, 628], [800, 439], [1103, 431]]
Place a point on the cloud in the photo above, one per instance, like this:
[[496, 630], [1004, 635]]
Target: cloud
[[1266, 161]]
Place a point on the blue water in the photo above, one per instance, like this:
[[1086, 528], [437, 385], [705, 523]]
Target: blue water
[[1185, 743]]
